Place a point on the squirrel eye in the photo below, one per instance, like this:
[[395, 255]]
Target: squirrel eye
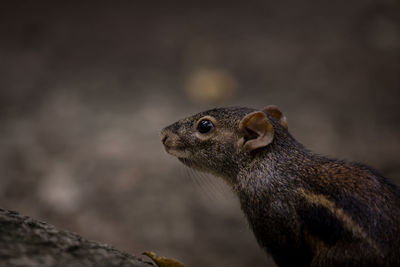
[[205, 126]]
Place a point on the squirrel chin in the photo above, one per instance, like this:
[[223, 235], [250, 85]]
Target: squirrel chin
[[180, 154], [185, 161]]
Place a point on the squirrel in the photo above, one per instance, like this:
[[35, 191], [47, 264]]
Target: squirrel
[[304, 209]]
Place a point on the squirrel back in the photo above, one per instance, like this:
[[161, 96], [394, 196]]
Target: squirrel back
[[304, 209]]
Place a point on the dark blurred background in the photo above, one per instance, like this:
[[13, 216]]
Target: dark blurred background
[[85, 88]]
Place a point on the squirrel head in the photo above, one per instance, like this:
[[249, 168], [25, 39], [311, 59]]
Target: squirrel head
[[221, 140]]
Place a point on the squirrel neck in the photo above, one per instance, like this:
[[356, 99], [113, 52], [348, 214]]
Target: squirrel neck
[[265, 189], [278, 163]]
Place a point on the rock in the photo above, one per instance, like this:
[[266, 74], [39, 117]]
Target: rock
[[28, 242]]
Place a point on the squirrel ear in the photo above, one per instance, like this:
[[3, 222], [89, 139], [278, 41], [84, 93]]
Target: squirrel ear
[[276, 114], [256, 130]]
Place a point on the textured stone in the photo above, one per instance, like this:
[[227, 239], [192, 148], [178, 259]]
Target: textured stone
[[27, 242]]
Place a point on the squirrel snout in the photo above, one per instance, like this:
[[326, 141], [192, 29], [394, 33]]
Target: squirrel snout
[[164, 137], [168, 139]]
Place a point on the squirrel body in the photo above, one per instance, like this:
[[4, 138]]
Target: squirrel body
[[304, 209]]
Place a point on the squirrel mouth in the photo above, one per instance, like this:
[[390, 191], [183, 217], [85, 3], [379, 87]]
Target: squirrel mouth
[[185, 161], [180, 154]]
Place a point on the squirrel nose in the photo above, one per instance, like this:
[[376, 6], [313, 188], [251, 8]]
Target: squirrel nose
[[164, 137]]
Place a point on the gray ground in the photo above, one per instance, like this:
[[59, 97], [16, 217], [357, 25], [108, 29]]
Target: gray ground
[[86, 88]]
